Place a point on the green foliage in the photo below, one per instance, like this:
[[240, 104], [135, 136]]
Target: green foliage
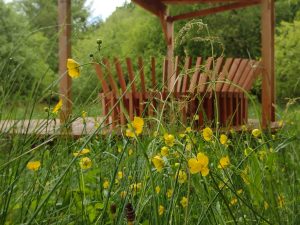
[[287, 63], [22, 54]]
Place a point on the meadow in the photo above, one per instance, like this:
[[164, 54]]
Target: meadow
[[152, 173]]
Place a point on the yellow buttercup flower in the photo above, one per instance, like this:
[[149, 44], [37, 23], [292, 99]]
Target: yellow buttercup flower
[[158, 162], [120, 175], [169, 139], [199, 164], [82, 152], [85, 163], [135, 127], [207, 134], [169, 193], [136, 187], [188, 147], [73, 68], [130, 151], [83, 114], [224, 162], [157, 189], [58, 106], [240, 191], [33, 165], [182, 177], [256, 132], [123, 194], [161, 210], [188, 130], [223, 139], [184, 202], [106, 184], [164, 151], [244, 128], [281, 201], [233, 201]]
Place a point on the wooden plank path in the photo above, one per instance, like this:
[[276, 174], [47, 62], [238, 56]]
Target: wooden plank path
[[43, 127]]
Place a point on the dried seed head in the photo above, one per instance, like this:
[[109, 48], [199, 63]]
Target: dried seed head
[[113, 208], [130, 214]]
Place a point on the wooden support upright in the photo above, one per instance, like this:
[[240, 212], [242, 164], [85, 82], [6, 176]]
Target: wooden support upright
[[170, 54], [268, 72], [64, 21]]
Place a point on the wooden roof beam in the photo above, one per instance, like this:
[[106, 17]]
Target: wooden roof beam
[[201, 1], [206, 12], [154, 6]]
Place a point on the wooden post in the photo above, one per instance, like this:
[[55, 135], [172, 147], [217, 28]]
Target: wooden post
[[268, 79], [64, 21], [170, 54]]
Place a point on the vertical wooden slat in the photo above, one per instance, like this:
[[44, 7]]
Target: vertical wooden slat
[[268, 79], [153, 73], [142, 76], [65, 88], [176, 73], [111, 80], [105, 87], [120, 75], [204, 77], [186, 77], [170, 52], [195, 76], [134, 96], [236, 76], [165, 74]]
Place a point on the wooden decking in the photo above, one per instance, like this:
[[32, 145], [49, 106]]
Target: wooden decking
[[43, 127]]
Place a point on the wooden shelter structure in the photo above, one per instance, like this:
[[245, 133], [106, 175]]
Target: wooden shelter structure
[[159, 8]]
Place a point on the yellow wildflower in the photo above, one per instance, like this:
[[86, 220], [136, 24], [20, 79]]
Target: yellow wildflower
[[169, 139], [224, 162], [106, 184], [266, 205], [161, 210], [135, 187], [184, 202], [158, 163], [169, 193], [199, 164], [233, 201], [164, 151], [182, 135], [223, 139], [135, 128], [58, 106], [240, 191], [73, 68], [130, 152], [281, 201], [256, 132], [123, 194], [244, 128], [196, 117], [83, 114], [188, 147], [120, 175], [82, 152], [33, 165], [182, 177], [188, 130], [157, 189], [207, 134], [177, 164], [85, 163]]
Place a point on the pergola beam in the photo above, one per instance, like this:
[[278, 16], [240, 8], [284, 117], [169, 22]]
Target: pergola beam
[[200, 1], [154, 6], [64, 22], [209, 11]]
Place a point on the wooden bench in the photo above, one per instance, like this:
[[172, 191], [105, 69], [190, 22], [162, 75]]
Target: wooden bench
[[209, 88]]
